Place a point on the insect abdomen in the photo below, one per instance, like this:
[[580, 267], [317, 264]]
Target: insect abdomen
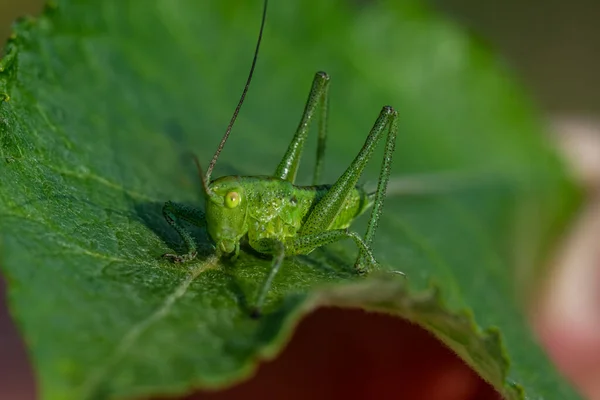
[[357, 202]]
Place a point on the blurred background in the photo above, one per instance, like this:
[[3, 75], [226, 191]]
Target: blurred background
[[553, 46]]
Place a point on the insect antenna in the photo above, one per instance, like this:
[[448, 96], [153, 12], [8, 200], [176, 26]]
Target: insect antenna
[[205, 187], [239, 106]]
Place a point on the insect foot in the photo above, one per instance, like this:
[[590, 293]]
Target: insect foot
[[180, 258], [363, 269]]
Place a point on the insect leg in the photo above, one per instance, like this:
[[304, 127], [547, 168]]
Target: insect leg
[[276, 248], [322, 133], [175, 214], [317, 98], [382, 184], [329, 206], [306, 244]]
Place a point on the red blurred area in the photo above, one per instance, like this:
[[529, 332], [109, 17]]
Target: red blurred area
[[350, 354], [16, 376]]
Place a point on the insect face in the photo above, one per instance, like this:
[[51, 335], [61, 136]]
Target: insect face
[[226, 210]]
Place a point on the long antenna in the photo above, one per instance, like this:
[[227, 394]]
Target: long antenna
[[201, 175], [239, 106]]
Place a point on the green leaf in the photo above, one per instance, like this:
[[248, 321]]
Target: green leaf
[[107, 99]]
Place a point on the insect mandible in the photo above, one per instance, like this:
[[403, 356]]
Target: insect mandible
[[275, 216]]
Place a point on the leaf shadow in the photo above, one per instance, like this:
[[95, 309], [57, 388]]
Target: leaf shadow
[[150, 214], [234, 286], [328, 260]]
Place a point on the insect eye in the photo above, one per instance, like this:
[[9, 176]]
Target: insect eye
[[232, 199]]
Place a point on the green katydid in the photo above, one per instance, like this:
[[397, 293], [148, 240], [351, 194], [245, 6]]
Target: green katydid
[[275, 216]]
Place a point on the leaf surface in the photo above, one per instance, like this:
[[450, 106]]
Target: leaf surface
[[106, 101]]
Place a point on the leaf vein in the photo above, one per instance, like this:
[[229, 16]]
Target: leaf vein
[[95, 379], [102, 181]]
